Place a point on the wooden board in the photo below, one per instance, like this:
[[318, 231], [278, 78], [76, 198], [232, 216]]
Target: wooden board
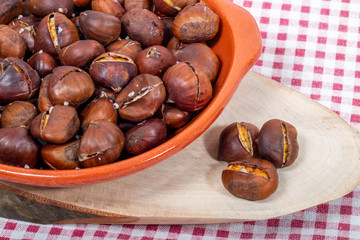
[[187, 187]]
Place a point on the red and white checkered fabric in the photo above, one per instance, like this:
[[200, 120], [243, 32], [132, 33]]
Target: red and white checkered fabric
[[312, 46]]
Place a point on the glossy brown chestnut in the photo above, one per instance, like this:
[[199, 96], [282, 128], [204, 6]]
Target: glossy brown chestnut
[[142, 4], [141, 98], [196, 23], [154, 60], [145, 136], [172, 7], [99, 26], [61, 157], [127, 47], [187, 87], [113, 70], [168, 33], [251, 179], [175, 44], [44, 103], [81, 53], [42, 62], [101, 109], [100, 90], [11, 43], [41, 8], [55, 32], [237, 142], [70, 86], [58, 125], [18, 113], [18, 148], [277, 142], [102, 143], [18, 81], [173, 117], [143, 26], [9, 10], [26, 31], [112, 7], [200, 56]]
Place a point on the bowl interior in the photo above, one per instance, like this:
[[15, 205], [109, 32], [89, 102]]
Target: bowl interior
[[237, 45]]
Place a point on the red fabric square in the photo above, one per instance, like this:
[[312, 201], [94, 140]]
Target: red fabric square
[[343, 28], [339, 72], [304, 23], [325, 11], [282, 36], [340, 56], [305, 9], [270, 236], [198, 231], [123, 236], [347, 210], [298, 67], [246, 235], [337, 86], [278, 65], [266, 5], [319, 70], [78, 233], [323, 26], [296, 223], [344, 227], [10, 226], [322, 40], [323, 208], [341, 42], [320, 225], [32, 228], [55, 231], [284, 21], [259, 63], [280, 51], [223, 234], [247, 4], [100, 233], [336, 99], [263, 35], [357, 74], [357, 89], [300, 52], [286, 7], [356, 102], [358, 58], [315, 97], [355, 118], [264, 20], [175, 229], [316, 84], [318, 237], [295, 236], [152, 227], [273, 222], [344, 13], [301, 38], [345, 1], [320, 54]]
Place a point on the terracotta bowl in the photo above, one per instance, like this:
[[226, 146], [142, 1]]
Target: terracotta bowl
[[238, 46]]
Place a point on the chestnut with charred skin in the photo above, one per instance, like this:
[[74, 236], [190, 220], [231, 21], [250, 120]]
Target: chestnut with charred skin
[[58, 125], [81, 53], [196, 23], [237, 142], [11, 43], [102, 143], [113, 70], [55, 32], [99, 26], [100, 109], [18, 148], [187, 87], [60, 157], [18, 113], [154, 60], [127, 47], [142, 4], [112, 7], [141, 98], [277, 142], [26, 31], [42, 62], [251, 179], [44, 103], [143, 26], [41, 8], [70, 86], [18, 81], [145, 136]]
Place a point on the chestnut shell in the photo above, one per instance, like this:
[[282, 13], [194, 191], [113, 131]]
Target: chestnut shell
[[11, 43]]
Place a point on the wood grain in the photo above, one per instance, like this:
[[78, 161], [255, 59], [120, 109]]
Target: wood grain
[[187, 187]]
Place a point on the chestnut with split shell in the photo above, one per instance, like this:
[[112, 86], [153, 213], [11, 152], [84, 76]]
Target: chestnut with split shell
[[142, 4], [126, 47], [277, 142], [112, 7], [172, 116], [171, 7], [251, 179], [237, 142], [26, 31], [44, 103]]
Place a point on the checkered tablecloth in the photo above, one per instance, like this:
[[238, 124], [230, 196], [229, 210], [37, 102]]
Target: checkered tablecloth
[[312, 46]]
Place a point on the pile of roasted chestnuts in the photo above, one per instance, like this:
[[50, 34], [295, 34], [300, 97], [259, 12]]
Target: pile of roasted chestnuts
[[85, 83], [253, 156]]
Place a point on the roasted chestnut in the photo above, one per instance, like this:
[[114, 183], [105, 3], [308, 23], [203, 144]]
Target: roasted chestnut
[[172, 7], [154, 60], [81, 53], [145, 136], [113, 70], [102, 143], [41, 8], [18, 148], [251, 179], [44, 103], [112, 7], [11, 43], [18, 113], [143, 26], [141, 98], [99, 26], [55, 32], [70, 86], [57, 125], [200, 56], [82, 3], [26, 31], [196, 23], [60, 157], [173, 117], [100, 109], [237, 142], [142, 4], [277, 142], [127, 47], [42, 62], [9, 10], [168, 25], [18, 81], [100, 90], [187, 87]]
